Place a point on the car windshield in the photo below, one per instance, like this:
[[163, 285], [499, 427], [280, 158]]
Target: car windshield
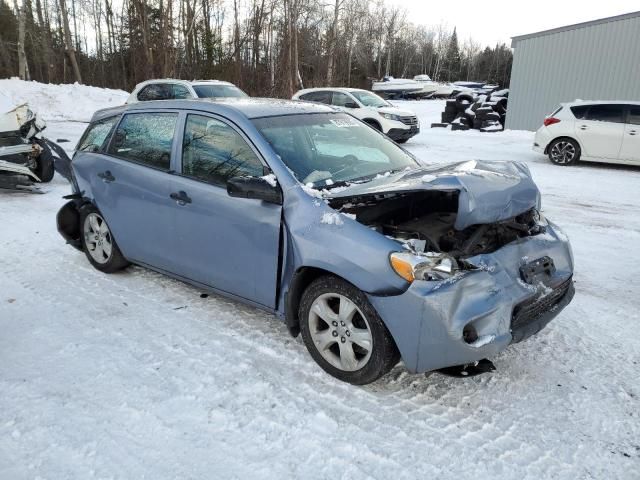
[[370, 99], [219, 91], [325, 150]]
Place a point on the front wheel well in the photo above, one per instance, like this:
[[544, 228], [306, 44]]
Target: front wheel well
[[374, 123], [300, 280]]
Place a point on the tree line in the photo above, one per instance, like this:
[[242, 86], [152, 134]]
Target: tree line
[[266, 47]]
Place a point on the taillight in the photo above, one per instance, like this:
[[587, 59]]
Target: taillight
[[550, 121]]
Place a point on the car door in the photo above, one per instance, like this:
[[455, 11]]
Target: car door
[[601, 130], [231, 244], [630, 151], [131, 187]]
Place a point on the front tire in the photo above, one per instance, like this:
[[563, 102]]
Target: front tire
[[564, 151], [98, 243], [343, 333]]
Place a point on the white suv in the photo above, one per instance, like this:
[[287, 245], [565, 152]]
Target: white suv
[[399, 125], [172, 89], [592, 131]]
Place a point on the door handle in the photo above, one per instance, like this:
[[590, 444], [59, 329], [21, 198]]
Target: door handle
[[633, 132], [180, 197], [583, 127], [106, 177]]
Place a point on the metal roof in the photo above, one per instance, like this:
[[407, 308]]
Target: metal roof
[[575, 26]]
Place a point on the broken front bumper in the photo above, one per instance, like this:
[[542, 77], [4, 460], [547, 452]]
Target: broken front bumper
[[479, 313]]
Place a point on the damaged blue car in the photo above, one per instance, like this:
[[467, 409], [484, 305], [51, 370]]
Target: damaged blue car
[[314, 216]]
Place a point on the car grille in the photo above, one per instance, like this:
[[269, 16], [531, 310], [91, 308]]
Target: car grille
[[412, 120], [530, 310]]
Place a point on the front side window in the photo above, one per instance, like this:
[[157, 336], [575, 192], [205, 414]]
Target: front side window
[[369, 99], [219, 91], [341, 99], [634, 115], [179, 92], [94, 138], [145, 138], [214, 152], [327, 149], [605, 113]]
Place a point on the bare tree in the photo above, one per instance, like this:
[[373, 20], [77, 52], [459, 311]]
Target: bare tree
[[70, 50]]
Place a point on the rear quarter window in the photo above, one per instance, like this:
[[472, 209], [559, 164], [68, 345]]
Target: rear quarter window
[[95, 138], [579, 111]]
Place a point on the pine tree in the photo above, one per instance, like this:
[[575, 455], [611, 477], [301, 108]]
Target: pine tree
[[452, 58]]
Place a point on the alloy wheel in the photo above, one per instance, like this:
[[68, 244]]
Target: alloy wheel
[[340, 332], [563, 152], [97, 238]]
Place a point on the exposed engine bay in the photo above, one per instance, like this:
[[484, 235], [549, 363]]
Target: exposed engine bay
[[424, 220]]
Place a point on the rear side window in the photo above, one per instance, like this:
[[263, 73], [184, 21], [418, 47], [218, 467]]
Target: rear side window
[[95, 137], [155, 91], [634, 115], [605, 113], [320, 97], [579, 111], [214, 152], [145, 138]]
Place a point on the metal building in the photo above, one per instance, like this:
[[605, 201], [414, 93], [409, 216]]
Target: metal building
[[598, 60]]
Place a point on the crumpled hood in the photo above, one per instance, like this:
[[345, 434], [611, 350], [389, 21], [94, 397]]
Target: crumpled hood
[[489, 191]]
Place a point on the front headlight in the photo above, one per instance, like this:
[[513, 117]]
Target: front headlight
[[390, 116], [423, 266]]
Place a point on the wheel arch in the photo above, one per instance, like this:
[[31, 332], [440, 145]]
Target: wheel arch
[[560, 137], [374, 123], [300, 280], [68, 220]]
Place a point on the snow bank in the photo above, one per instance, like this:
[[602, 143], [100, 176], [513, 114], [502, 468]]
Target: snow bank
[[71, 102]]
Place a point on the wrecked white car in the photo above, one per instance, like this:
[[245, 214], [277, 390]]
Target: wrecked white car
[[25, 157]]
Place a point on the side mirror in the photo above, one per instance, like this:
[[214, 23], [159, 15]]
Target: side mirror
[[351, 105], [254, 187]]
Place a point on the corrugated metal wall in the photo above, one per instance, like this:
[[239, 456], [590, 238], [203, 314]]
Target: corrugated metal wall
[[594, 62]]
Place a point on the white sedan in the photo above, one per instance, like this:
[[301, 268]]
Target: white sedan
[[591, 131]]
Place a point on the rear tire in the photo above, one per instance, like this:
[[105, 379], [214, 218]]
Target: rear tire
[[343, 333], [564, 151], [98, 243]]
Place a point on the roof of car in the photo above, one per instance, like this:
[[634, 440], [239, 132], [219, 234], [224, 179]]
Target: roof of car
[[332, 89], [179, 80], [601, 102], [248, 107]]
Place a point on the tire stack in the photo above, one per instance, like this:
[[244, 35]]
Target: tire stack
[[486, 113]]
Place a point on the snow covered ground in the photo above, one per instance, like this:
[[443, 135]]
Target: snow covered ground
[[134, 375]]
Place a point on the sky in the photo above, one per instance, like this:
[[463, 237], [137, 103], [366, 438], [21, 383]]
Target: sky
[[492, 21]]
